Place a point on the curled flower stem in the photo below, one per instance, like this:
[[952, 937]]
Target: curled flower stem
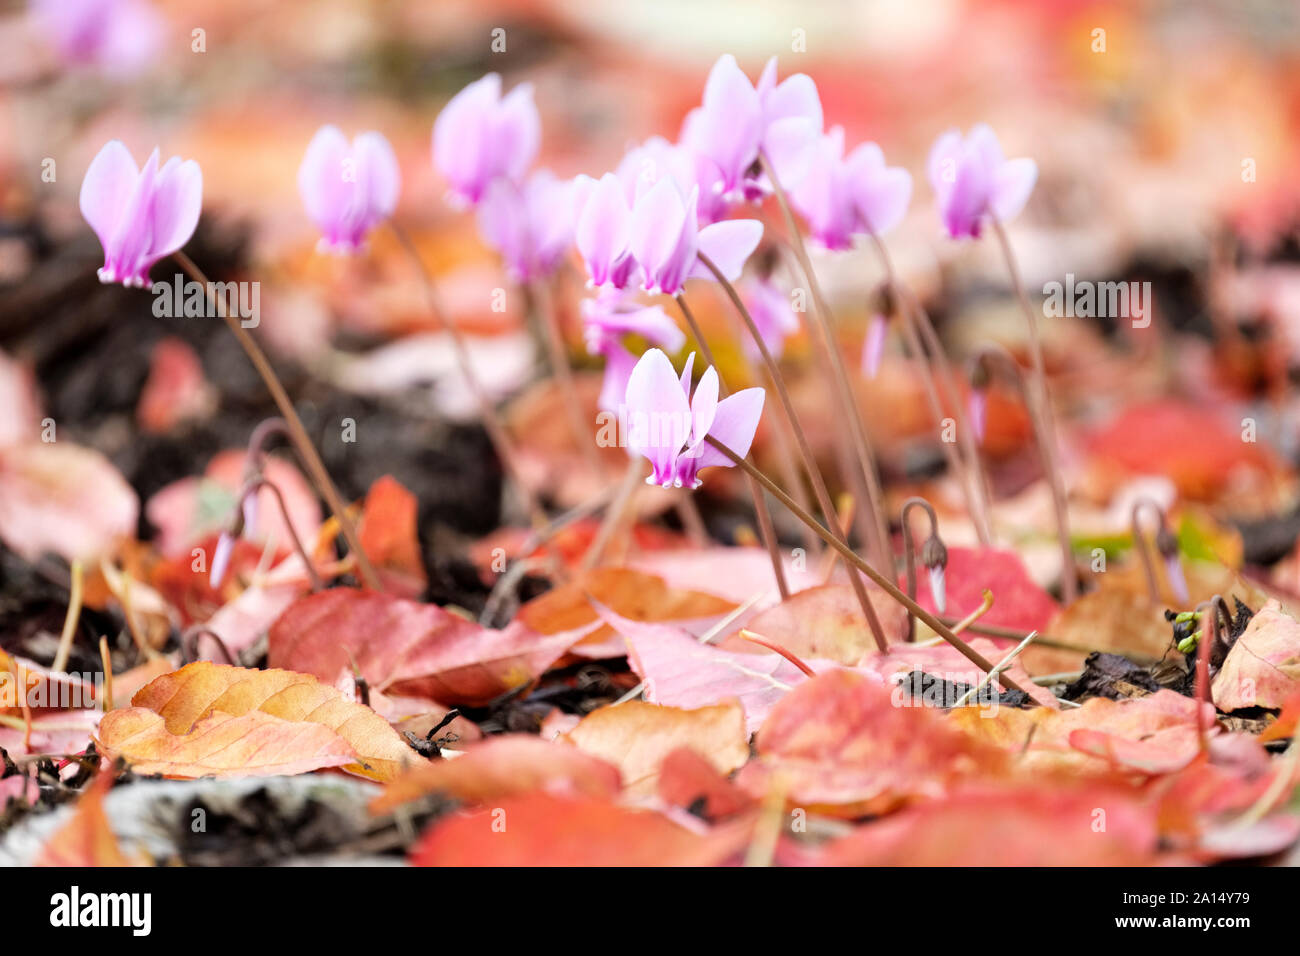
[[909, 551], [766, 529], [543, 308], [1163, 534], [874, 494], [69, 621], [1210, 612], [190, 645], [1039, 397], [921, 336], [253, 487], [492, 423], [990, 355], [879, 579], [824, 503], [297, 433]]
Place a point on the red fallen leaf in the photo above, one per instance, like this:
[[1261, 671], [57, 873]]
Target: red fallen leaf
[[389, 538], [410, 649], [944, 660], [687, 780], [848, 745], [1017, 601], [1262, 668], [191, 508], [86, 839], [186, 582], [175, 389], [1191, 445], [570, 545], [241, 622], [541, 829], [1034, 825], [502, 767], [62, 498], [679, 671], [827, 622]]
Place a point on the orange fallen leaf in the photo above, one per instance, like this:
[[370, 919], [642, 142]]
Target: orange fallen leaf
[[389, 538], [631, 594], [827, 622], [86, 839], [214, 719], [636, 737]]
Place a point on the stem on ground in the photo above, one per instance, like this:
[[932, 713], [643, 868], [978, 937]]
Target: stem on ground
[[297, 433]]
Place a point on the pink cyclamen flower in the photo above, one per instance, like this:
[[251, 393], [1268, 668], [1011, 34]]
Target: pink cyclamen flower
[[480, 136], [348, 188], [643, 166], [973, 180], [667, 424], [602, 231], [139, 215], [606, 319], [666, 240], [221, 558], [873, 347], [858, 195], [737, 119], [529, 223], [772, 313], [117, 36]]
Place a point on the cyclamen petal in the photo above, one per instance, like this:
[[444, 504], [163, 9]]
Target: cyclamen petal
[[139, 215], [348, 188], [734, 423], [728, 244], [602, 231], [729, 128], [658, 415], [880, 193], [479, 136], [973, 180], [663, 235]]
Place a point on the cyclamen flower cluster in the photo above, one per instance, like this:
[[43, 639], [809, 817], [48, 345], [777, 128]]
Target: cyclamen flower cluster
[[660, 219], [484, 144]]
